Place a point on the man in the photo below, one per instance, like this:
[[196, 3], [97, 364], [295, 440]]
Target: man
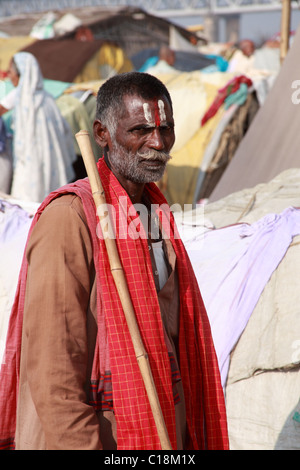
[[243, 58], [79, 386], [166, 61], [247, 47]]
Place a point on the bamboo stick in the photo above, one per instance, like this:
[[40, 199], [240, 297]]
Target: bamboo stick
[[84, 143]]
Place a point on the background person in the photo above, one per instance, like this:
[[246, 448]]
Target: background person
[[242, 60], [43, 150], [165, 63]]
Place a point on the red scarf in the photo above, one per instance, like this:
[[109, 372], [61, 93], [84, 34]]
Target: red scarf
[[205, 407]]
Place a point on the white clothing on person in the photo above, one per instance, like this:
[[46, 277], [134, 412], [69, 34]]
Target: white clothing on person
[[43, 149], [161, 67], [9, 101]]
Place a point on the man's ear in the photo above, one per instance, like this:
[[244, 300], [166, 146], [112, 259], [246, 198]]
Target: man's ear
[[101, 134]]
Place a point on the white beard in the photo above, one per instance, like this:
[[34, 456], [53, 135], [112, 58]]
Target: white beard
[[136, 167]]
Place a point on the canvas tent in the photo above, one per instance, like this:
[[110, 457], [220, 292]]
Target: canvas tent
[[71, 60], [263, 377], [68, 60], [133, 29], [9, 46], [200, 151], [272, 143], [185, 61], [90, 43]]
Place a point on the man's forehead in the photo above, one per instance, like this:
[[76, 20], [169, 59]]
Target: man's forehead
[[148, 107], [137, 100]]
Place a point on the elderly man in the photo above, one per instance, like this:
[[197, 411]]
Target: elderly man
[[79, 385]]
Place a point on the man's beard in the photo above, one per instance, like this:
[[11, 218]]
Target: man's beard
[[140, 167]]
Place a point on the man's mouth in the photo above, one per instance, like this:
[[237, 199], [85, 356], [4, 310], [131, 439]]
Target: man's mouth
[[155, 160], [153, 164]]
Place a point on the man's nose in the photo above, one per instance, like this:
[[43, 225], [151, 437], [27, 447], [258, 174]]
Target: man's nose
[[156, 140]]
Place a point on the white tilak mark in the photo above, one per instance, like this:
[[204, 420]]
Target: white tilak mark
[[147, 112], [162, 113]]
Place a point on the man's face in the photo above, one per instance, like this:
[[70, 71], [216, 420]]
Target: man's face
[[12, 74], [247, 48], [144, 136]]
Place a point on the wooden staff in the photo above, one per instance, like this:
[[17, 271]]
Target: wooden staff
[[116, 268]]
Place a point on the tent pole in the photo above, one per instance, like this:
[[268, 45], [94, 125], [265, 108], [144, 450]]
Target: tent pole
[[285, 29]]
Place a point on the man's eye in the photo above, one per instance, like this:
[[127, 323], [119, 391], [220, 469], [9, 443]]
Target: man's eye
[[166, 128], [148, 130], [141, 130]]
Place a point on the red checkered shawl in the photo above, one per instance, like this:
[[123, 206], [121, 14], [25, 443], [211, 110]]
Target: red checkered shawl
[[205, 409]]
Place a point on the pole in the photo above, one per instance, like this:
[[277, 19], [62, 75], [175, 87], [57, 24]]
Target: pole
[[116, 268], [285, 29]]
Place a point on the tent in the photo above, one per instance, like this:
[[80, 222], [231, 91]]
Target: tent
[[72, 60], [252, 299], [131, 28], [68, 60], [200, 150], [9, 46], [272, 143], [185, 61]]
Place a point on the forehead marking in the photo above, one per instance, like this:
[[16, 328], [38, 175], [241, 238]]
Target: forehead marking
[[159, 113], [162, 113], [147, 112], [157, 116]]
